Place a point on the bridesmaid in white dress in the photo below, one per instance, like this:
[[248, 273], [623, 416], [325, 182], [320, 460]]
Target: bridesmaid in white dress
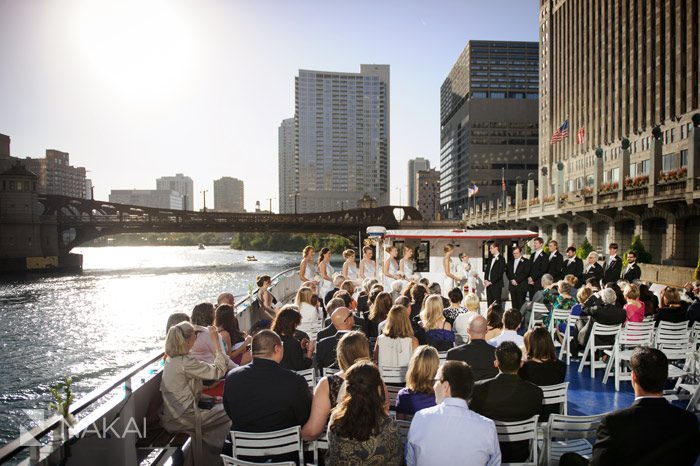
[[449, 265], [407, 264], [307, 267], [325, 270], [391, 267], [350, 271], [368, 267]]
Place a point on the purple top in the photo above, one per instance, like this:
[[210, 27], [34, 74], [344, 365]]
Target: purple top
[[408, 402]]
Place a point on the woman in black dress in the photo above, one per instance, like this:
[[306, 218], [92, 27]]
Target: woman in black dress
[[542, 366]]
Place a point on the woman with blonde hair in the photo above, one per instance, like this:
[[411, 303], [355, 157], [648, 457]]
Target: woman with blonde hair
[[450, 268], [181, 389], [307, 266], [407, 264], [350, 271], [303, 301], [326, 271], [671, 307], [396, 343], [418, 393], [438, 331], [391, 267], [634, 307], [368, 266], [352, 347]]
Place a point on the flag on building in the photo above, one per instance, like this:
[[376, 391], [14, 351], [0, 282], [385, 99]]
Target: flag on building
[[473, 189], [503, 179], [580, 135], [561, 133]]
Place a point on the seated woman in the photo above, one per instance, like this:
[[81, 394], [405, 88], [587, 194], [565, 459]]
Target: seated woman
[[455, 296], [633, 307], [175, 319], [494, 321], [461, 323], [671, 307], [542, 366], [352, 347], [438, 332], [235, 342], [360, 432], [420, 378], [304, 302], [297, 354], [181, 388], [561, 301], [203, 349], [395, 345], [377, 313]]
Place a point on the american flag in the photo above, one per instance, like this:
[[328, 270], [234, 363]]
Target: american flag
[[561, 133], [503, 179], [580, 135], [473, 190]]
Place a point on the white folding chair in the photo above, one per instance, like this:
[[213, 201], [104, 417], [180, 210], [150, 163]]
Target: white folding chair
[[442, 355], [556, 394], [539, 310], [566, 434], [329, 371], [309, 376], [321, 443], [674, 340], [260, 444], [633, 334], [393, 374], [393, 391], [598, 330], [228, 461], [311, 328], [566, 344], [518, 431], [558, 315]]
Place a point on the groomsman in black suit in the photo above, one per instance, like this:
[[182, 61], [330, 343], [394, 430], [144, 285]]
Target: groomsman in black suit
[[494, 275], [632, 272], [556, 261], [538, 267], [573, 265], [613, 266], [518, 273]]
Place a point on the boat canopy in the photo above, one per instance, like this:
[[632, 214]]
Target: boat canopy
[[460, 234]]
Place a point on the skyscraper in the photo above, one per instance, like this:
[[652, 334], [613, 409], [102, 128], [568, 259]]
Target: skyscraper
[[488, 122], [427, 188], [228, 195], [341, 137], [414, 166], [287, 166], [181, 184]]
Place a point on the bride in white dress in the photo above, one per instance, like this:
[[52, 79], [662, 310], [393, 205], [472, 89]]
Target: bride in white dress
[[325, 270], [391, 268], [451, 268], [368, 267]]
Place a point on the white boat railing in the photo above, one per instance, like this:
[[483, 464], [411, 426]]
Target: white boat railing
[[119, 398]]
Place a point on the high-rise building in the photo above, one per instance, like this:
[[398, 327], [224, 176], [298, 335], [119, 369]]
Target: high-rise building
[[156, 198], [341, 137], [488, 122], [427, 188], [55, 175], [88, 188], [181, 184], [414, 166], [287, 166], [4, 146], [228, 195]]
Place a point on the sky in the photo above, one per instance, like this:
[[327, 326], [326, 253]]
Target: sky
[[138, 89]]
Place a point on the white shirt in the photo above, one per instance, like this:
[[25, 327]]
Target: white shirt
[[507, 335], [537, 254], [493, 261], [452, 434], [552, 255], [515, 264]]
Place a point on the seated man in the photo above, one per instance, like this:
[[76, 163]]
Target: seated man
[[651, 431], [337, 281], [450, 433], [226, 298], [343, 321], [263, 396], [507, 397], [329, 329], [477, 353], [511, 324]]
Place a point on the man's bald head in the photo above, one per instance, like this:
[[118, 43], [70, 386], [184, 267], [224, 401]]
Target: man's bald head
[[477, 328], [225, 298], [341, 319]]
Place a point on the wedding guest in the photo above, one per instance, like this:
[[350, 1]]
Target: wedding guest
[[396, 343], [438, 332], [297, 354], [235, 342], [418, 393], [634, 307]]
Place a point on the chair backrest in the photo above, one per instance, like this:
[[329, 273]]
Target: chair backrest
[[605, 330], [665, 325], [556, 394], [558, 315], [393, 391], [636, 334], [564, 427], [404, 427], [393, 374], [670, 337], [518, 431], [442, 355], [228, 461], [539, 310], [330, 371], [311, 328], [309, 376], [279, 442]]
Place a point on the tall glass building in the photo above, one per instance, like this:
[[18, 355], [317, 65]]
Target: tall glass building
[[341, 138], [488, 123]]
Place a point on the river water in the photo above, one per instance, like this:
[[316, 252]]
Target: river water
[[94, 324]]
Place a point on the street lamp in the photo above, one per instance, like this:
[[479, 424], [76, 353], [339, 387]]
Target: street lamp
[[204, 199], [399, 189], [269, 199]]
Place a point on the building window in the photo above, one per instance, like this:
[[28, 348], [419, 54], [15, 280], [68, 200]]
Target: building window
[[668, 162], [615, 175], [683, 132], [684, 158]]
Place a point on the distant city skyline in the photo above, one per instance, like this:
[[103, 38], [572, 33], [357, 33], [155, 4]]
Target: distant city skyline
[[133, 89]]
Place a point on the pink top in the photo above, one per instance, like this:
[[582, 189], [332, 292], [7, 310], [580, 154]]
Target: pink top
[[634, 313]]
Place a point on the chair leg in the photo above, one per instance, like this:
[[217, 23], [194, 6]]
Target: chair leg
[[585, 355], [592, 355], [609, 368]]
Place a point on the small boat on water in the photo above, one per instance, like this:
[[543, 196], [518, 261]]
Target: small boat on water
[[201, 246], [251, 258]]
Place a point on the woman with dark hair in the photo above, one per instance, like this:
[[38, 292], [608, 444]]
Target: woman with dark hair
[[651, 302], [286, 322], [418, 293], [671, 307], [175, 319], [494, 321], [360, 432], [235, 342], [396, 343], [542, 366], [378, 313], [203, 348], [265, 299]]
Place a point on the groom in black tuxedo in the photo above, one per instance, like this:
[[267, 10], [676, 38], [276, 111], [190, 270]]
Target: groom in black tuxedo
[[494, 275]]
